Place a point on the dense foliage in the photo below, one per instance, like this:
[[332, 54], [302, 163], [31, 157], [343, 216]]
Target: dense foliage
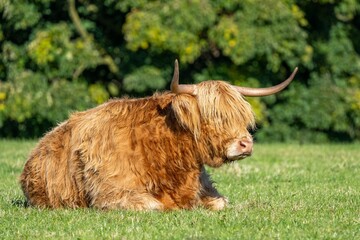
[[58, 57]]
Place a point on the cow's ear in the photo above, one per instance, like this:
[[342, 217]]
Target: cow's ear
[[187, 113]]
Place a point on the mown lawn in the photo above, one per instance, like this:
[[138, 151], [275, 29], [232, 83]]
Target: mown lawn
[[282, 192]]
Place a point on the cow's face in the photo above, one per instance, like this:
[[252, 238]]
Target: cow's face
[[219, 116], [229, 116]]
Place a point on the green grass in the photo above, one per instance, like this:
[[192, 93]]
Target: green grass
[[282, 192]]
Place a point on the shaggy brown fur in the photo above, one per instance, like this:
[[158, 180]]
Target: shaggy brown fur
[[139, 153]]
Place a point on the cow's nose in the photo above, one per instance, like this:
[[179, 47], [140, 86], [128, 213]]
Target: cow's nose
[[246, 146]]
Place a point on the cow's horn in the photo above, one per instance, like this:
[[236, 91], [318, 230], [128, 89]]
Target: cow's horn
[[258, 92], [180, 88]]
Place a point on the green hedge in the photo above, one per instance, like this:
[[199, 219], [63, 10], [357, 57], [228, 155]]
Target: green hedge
[[58, 57]]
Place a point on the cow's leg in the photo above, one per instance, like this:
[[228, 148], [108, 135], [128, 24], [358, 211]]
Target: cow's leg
[[210, 197], [126, 199]]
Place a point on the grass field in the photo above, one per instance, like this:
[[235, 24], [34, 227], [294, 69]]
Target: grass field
[[281, 192]]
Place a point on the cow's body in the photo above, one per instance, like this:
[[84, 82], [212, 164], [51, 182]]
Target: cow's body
[[133, 154]]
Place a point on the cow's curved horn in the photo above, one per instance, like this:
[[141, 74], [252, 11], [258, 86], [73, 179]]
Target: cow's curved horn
[[258, 92], [175, 87]]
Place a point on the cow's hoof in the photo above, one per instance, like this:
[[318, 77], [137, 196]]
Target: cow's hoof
[[217, 204]]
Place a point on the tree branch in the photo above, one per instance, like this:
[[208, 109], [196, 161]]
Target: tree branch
[[76, 20], [108, 60]]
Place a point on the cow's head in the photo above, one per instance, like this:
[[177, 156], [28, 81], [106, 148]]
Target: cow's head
[[216, 112]]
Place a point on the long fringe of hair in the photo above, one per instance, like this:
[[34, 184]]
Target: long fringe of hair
[[222, 106]]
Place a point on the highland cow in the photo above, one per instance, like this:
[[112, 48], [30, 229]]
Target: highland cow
[[145, 154]]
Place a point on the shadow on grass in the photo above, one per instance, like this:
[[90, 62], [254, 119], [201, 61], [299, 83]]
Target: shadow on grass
[[20, 203]]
